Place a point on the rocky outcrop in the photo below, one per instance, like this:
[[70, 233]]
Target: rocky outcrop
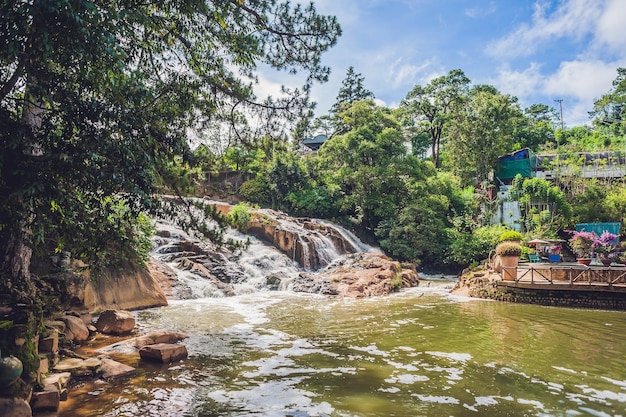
[[358, 275], [116, 322], [312, 244], [127, 287]]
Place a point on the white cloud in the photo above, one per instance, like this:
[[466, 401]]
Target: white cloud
[[581, 80], [579, 83], [572, 19], [610, 27], [406, 74], [519, 83], [479, 12]]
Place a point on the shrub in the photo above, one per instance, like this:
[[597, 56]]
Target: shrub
[[508, 248], [511, 236], [239, 216]]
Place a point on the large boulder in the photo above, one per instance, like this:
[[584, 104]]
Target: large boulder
[[163, 352], [126, 287], [14, 407], [75, 329], [115, 322], [358, 275]]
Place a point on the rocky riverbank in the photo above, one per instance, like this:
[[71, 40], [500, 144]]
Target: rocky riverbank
[[65, 361]]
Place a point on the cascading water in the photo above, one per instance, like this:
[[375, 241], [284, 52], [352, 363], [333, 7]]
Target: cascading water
[[204, 270]]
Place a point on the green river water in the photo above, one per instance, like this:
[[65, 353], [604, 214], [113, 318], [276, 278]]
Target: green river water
[[417, 353]]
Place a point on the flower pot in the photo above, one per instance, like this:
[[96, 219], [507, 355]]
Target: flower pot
[[606, 261], [584, 261], [509, 267]]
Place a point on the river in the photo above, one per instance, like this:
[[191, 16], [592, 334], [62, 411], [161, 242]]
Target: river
[[417, 353]]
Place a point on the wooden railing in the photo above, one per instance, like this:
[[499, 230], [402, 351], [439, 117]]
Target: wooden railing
[[572, 275]]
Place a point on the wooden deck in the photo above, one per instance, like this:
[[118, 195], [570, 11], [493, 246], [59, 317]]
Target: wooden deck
[[566, 276]]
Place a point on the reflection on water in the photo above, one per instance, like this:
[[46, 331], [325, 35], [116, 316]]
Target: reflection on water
[[417, 353]]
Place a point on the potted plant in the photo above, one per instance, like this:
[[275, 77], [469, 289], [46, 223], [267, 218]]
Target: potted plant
[[605, 247], [582, 245], [509, 253]]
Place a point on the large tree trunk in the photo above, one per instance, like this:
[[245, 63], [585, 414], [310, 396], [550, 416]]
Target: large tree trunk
[[20, 305], [21, 310]]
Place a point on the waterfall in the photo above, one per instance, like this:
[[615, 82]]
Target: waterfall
[[204, 270]]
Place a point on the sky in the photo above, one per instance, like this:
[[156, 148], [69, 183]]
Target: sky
[[537, 50]]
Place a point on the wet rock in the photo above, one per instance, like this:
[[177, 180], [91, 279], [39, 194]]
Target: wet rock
[[163, 352], [46, 400], [80, 367], [159, 337], [75, 329], [116, 322], [14, 407], [112, 370], [358, 275]]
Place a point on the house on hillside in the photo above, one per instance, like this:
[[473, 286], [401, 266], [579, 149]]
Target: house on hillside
[[315, 143], [524, 162]]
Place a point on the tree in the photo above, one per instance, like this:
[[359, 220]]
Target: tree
[[537, 127], [352, 90], [367, 162], [610, 109], [429, 109], [97, 96], [481, 133]]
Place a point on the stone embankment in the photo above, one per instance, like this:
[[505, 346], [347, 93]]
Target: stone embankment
[[60, 368], [483, 282]]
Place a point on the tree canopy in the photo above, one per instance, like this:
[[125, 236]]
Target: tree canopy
[[96, 97]]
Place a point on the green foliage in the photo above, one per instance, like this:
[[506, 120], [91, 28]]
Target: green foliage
[[475, 246], [427, 110], [92, 106], [239, 216], [544, 206], [257, 190], [511, 235], [481, 132], [115, 234]]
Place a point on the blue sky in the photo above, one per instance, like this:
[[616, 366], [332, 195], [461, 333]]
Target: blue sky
[[537, 50]]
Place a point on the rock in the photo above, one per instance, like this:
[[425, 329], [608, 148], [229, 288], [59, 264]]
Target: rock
[[75, 330], [112, 370], [50, 342], [46, 400], [358, 275], [115, 322], [44, 365], [60, 379], [159, 337], [55, 324], [14, 407], [163, 352], [80, 367]]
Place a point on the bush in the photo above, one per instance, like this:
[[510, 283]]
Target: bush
[[508, 248], [511, 236], [239, 216], [474, 247]]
